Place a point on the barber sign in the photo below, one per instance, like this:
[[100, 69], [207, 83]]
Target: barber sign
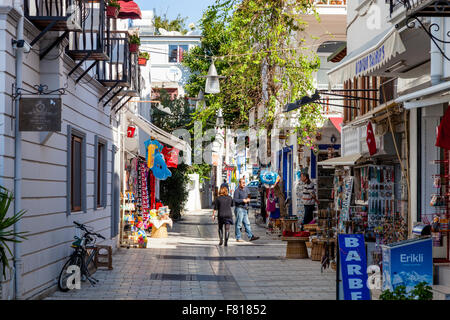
[[353, 266]]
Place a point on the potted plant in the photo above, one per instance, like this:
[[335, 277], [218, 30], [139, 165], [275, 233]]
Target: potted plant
[[135, 42], [143, 58], [6, 234], [112, 9]]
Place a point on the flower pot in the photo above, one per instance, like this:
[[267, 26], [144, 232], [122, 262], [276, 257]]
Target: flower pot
[[112, 12], [134, 47], [142, 61]]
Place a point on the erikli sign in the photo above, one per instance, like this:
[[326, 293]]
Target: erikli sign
[[371, 60]]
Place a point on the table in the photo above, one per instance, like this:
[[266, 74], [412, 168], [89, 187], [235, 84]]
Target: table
[[296, 247], [289, 225]]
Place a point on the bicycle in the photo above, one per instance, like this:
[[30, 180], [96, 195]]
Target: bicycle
[[80, 257]]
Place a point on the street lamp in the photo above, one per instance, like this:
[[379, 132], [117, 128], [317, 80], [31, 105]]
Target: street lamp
[[219, 120], [212, 80]]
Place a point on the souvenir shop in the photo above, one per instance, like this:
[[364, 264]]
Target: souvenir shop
[[369, 195], [143, 215]]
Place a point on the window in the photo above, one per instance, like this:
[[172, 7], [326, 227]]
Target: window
[[76, 170], [100, 173], [176, 52], [75, 204]]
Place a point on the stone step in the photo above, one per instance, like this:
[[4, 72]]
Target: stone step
[[441, 292], [444, 275]]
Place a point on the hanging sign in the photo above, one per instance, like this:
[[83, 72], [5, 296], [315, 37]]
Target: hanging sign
[[353, 266], [131, 131], [40, 114], [345, 212]]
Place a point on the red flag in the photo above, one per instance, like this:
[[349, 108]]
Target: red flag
[[370, 139], [443, 132], [130, 132]]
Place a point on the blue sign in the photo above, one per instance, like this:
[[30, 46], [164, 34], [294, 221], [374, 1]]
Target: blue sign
[[407, 263], [371, 60], [255, 170], [353, 266]]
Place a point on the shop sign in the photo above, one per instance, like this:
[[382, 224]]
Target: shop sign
[[40, 114], [130, 131], [353, 266], [407, 263], [371, 60], [255, 171], [345, 212]]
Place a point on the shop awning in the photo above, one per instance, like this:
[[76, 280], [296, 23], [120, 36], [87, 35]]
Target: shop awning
[[161, 135], [368, 57], [129, 10], [341, 161], [433, 95]]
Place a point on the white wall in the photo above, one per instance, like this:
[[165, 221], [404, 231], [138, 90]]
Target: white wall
[[50, 228]]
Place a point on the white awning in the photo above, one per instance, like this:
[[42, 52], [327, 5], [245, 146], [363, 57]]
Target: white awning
[[161, 135], [368, 58], [433, 95], [341, 161]]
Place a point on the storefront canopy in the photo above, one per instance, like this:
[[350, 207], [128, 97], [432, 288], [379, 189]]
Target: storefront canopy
[[368, 57], [129, 10], [341, 161], [161, 135]]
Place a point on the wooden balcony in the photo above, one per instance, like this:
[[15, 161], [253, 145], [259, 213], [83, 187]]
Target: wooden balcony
[[90, 42], [116, 71], [55, 15]]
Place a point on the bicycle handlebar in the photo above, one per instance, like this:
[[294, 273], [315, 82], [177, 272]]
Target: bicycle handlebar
[[83, 227]]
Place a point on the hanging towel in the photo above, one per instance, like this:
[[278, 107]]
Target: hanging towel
[[443, 132]]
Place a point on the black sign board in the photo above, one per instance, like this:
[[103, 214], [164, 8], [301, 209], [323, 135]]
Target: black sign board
[[40, 114]]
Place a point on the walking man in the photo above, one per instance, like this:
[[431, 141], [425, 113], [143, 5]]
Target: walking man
[[225, 184], [241, 200], [309, 198]]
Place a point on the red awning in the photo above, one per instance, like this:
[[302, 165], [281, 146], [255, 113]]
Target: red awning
[[129, 10], [337, 123]]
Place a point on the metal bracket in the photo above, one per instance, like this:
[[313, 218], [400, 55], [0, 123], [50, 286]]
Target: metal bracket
[[43, 32], [79, 63], [41, 89], [86, 71], [129, 98], [108, 91], [54, 44], [115, 94], [45, 136], [412, 24], [117, 102]]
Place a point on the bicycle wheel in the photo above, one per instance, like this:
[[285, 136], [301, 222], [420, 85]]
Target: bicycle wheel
[[64, 276]]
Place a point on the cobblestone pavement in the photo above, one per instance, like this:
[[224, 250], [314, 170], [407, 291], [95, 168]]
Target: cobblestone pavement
[[189, 265]]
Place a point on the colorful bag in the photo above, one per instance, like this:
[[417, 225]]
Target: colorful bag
[[171, 157]]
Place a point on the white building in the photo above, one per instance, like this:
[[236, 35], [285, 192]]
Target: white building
[[71, 174], [166, 53]]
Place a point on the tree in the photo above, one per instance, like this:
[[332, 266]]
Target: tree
[[178, 24], [263, 62]]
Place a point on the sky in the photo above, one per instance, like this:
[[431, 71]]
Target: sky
[[192, 9]]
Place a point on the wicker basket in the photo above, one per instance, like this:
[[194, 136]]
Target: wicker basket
[[317, 251], [159, 233]]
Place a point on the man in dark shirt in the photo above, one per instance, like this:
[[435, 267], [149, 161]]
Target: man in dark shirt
[[242, 199], [225, 184]]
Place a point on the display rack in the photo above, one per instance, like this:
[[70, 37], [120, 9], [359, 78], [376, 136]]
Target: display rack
[[439, 219]]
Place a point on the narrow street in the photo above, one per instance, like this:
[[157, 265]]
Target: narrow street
[[189, 265]]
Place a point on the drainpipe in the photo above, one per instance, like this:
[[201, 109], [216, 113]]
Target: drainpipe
[[18, 264], [435, 54]]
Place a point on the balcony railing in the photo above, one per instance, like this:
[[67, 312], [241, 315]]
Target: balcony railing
[[54, 15], [134, 90], [421, 7], [90, 42], [117, 70]]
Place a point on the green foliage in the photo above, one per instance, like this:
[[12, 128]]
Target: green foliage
[[6, 235], [178, 24], [114, 3], [181, 113], [421, 291], [134, 39], [251, 36], [203, 170], [174, 192], [144, 54]]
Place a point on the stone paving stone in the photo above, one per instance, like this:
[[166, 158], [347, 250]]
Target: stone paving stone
[[198, 247]]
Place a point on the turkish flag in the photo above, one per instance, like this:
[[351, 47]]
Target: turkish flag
[[443, 132], [130, 132], [370, 139]]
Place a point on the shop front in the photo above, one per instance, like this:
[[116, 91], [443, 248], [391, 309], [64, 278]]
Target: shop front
[[143, 215]]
